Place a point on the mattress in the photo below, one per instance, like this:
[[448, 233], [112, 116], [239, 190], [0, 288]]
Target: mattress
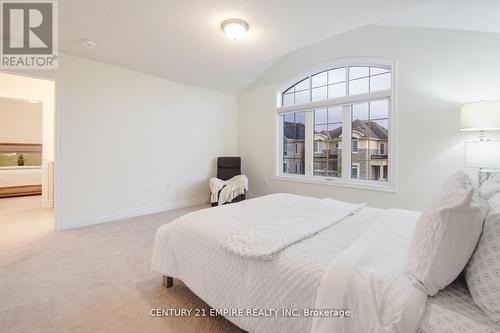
[[453, 310], [224, 280]]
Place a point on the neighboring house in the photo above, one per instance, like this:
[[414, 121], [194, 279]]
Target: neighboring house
[[293, 148], [328, 153], [369, 151]]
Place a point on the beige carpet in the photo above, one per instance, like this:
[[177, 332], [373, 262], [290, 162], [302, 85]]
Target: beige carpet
[[93, 279]]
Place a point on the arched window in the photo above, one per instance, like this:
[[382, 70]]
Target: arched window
[[317, 108]]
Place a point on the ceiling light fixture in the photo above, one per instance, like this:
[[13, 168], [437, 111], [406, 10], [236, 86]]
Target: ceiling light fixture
[[32, 101], [235, 29], [89, 42]]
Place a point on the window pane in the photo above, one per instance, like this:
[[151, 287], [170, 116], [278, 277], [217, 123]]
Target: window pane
[[293, 142], [327, 139], [354, 172], [321, 129], [320, 116], [300, 117], [302, 85], [358, 86], [319, 79], [337, 90], [335, 114], [370, 140], [360, 111], [379, 109], [302, 97], [335, 130], [357, 72], [289, 90], [289, 117], [378, 70], [337, 75], [333, 168], [382, 122], [287, 99], [319, 94], [354, 143], [380, 82]]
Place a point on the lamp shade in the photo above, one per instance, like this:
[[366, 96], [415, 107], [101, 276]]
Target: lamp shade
[[482, 154], [480, 116]]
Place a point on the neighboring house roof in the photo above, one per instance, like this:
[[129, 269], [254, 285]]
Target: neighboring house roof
[[365, 128], [371, 129]]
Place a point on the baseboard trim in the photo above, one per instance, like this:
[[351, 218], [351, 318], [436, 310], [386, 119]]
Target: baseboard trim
[[79, 222]]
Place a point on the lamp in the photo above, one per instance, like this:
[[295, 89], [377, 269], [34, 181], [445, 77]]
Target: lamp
[[480, 116], [483, 154]]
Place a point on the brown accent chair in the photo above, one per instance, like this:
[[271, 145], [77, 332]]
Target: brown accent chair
[[227, 168]]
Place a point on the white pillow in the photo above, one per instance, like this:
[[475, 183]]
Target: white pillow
[[445, 235], [489, 188], [483, 271]]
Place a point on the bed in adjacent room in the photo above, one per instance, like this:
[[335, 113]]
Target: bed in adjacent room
[[20, 169], [242, 256]]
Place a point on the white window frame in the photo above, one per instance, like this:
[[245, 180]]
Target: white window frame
[[380, 150], [345, 102], [357, 166], [352, 144]]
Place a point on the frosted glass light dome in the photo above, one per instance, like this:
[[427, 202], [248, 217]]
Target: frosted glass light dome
[[235, 29]]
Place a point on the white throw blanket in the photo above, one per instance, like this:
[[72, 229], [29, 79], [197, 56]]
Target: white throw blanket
[[262, 238], [369, 278], [230, 188]]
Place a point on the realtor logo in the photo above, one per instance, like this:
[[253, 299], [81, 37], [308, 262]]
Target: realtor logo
[[29, 34]]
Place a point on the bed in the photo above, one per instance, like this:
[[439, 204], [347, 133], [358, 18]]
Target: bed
[[20, 169], [191, 249]]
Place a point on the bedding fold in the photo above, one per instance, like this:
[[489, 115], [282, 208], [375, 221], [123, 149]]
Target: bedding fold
[[369, 279], [263, 238]]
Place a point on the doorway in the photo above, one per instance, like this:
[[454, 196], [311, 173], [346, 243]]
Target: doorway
[[27, 153]]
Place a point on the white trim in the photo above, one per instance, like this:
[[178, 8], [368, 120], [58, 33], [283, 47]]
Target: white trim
[[346, 157], [360, 184], [359, 98], [252, 195], [345, 101], [309, 143], [128, 213]]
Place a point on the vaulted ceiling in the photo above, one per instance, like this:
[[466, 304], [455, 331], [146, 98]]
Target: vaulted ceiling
[[181, 40]]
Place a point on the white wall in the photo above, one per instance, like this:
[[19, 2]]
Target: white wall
[[437, 71], [20, 121], [133, 144]]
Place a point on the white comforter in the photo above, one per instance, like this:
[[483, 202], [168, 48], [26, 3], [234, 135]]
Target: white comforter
[[189, 249], [369, 279]]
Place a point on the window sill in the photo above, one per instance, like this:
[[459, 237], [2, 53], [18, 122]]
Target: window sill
[[330, 181]]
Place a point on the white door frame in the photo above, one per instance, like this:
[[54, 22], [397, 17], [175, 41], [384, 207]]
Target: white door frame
[[54, 76]]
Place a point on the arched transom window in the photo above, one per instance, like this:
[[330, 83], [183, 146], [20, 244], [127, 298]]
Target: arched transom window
[[318, 108]]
